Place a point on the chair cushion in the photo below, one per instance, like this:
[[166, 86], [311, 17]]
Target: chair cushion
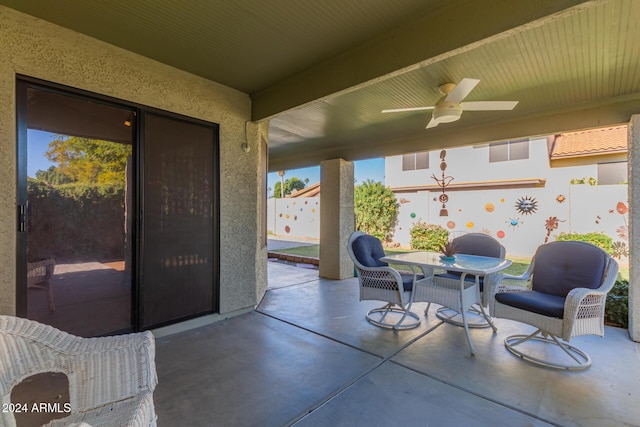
[[536, 302], [562, 266], [407, 280], [455, 275], [478, 244], [368, 251]]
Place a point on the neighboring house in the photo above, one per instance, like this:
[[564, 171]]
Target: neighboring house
[[523, 192]]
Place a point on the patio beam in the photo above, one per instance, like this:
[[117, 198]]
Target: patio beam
[[449, 30]]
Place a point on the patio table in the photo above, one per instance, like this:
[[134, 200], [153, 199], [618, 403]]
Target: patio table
[[459, 298]]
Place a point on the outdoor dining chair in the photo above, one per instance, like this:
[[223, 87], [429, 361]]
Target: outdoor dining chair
[[470, 244], [380, 282], [563, 295]]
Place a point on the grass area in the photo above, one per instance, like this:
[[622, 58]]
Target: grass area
[[518, 266]]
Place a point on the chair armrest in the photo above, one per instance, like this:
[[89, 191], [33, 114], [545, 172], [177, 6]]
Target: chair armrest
[[499, 283]]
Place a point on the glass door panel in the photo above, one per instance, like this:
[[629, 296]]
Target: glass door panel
[[78, 213], [179, 251]]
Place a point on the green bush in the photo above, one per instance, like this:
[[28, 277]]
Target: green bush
[[601, 240], [617, 308], [428, 237], [376, 209]]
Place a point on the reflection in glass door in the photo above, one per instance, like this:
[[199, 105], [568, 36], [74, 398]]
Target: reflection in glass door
[[77, 215]]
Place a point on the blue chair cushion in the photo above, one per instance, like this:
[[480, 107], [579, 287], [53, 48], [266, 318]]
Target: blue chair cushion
[[368, 251], [478, 244], [562, 266], [455, 275], [407, 280], [535, 302]]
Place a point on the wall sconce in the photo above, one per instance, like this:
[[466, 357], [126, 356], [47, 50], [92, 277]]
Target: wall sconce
[[245, 147], [443, 183]]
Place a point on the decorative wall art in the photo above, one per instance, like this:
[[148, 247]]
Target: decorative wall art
[[443, 183], [561, 198], [451, 225], [514, 222], [500, 234], [489, 207], [551, 224], [526, 205]]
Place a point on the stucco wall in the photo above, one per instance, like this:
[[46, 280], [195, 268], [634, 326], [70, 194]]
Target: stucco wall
[[39, 49]]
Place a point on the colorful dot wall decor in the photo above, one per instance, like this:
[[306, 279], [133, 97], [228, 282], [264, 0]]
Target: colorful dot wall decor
[[470, 224], [413, 215], [451, 225], [500, 234], [489, 207]]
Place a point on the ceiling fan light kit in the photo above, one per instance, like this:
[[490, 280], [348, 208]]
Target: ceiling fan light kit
[[449, 108]]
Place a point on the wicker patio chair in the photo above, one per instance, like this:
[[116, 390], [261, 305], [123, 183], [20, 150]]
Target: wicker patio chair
[[39, 275], [111, 379], [380, 282], [563, 296], [470, 244]]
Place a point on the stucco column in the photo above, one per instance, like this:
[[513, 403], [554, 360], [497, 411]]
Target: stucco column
[[336, 218], [634, 227]]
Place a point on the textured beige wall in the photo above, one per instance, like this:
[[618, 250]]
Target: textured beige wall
[[634, 227], [36, 48]]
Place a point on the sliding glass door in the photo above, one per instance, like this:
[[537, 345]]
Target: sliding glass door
[[117, 213]]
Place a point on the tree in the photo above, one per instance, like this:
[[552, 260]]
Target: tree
[[376, 209], [52, 176], [85, 160], [290, 185]]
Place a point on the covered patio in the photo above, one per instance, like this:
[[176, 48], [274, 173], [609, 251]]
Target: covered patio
[[307, 356]]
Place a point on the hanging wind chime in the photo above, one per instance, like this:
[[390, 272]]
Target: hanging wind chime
[[443, 183]]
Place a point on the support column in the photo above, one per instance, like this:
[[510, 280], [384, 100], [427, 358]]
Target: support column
[[634, 227], [336, 218]]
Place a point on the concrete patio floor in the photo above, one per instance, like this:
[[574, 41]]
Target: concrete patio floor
[[307, 357]]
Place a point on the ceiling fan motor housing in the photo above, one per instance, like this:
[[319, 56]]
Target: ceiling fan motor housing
[[447, 112]]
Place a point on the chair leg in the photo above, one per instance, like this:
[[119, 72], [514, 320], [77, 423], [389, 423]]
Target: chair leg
[[581, 360], [378, 316], [52, 305]]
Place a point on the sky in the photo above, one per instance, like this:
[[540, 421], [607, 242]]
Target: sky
[[363, 170], [38, 144]]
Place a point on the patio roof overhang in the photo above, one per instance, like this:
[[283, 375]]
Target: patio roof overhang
[[321, 73]]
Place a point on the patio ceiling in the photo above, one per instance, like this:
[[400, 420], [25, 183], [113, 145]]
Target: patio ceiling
[[321, 71]]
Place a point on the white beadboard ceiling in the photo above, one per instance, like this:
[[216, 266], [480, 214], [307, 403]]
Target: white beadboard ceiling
[[322, 70]]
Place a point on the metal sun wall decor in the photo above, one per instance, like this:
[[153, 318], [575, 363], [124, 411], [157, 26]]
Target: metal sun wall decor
[[527, 205], [443, 183]]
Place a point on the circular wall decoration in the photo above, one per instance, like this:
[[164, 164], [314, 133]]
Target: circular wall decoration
[[451, 225], [287, 229], [622, 208], [500, 234], [470, 224], [561, 198], [287, 217], [501, 200], [489, 207], [527, 205], [413, 215]]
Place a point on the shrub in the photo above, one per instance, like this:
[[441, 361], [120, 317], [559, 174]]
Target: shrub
[[428, 237], [376, 209], [617, 308], [601, 240]]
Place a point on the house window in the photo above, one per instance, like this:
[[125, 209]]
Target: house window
[[415, 161], [612, 173], [509, 150]]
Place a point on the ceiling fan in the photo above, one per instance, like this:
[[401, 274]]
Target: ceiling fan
[[449, 108]]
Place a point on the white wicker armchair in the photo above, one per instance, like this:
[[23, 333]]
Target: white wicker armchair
[[380, 282], [563, 294], [111, 379]]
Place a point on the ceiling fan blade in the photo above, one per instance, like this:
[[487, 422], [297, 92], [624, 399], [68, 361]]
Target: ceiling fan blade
[[433, 123], [488, 105], [461, 90], [399, 110]]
